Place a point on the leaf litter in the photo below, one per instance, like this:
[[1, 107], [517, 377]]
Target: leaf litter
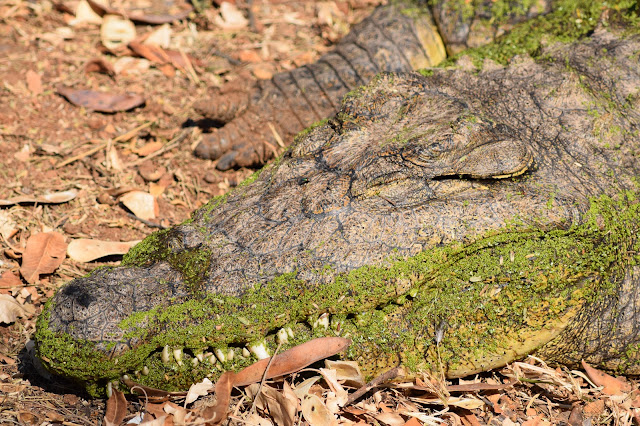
[[60, 147]]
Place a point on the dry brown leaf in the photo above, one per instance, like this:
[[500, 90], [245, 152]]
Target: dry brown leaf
[[198, 389], [53, 198], [303, 388], [594, 408], [471, 419], [151, 52], [147, 149], [316, 413], [131, 66], [116, 409], [44, 253], [11, 309], [11, 388], [156, 19], [347, 371], [293, 359], [87, 250], [413, 422], [100, 65], [85, 15], [160, 36], [24, 154], [116, 32], [34, 82], [341, 395], [156, 189], [159, 421], [100, 101], [254, 419], [142, 204], [610, 384], [178, 59], [9, 280], [282, 405], [218, 413], [7, 225], [113, 161], [28, 418], [230, 18], [152, 394], [178, 413], [391, 419]]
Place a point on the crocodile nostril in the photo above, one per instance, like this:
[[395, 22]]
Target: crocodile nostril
[[79, 294]]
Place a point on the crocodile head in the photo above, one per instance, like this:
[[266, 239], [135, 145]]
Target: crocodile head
[[432, 215]]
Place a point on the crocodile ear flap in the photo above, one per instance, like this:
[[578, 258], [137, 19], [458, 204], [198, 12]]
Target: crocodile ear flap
[[495, 159]]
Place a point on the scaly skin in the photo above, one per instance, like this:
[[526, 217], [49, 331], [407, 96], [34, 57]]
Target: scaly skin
[[496, 207], [261, 115]]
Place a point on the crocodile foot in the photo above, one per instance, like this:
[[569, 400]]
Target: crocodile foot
[[263, 117]]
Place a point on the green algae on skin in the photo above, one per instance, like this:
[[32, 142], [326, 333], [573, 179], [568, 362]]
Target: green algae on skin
[[503, 287], [568, 21]]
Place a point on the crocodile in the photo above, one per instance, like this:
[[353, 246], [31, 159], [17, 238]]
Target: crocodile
[[262, 116], [452, 220]]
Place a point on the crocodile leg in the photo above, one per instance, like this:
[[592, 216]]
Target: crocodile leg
[[261, 117], [270, 113]]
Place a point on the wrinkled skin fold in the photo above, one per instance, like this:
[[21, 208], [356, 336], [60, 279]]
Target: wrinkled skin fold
[[496, 207]]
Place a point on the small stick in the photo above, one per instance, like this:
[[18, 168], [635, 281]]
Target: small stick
[[232, 61], [189, 68], [146, 222], [276, 135], [125, 136], [81, 156], [251, 16], [388, 375], [169, 146], [264, 378]]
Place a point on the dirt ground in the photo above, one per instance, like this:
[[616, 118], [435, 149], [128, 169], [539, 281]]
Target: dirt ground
[[95, 162]]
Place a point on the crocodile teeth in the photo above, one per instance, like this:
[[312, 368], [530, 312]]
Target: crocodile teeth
[[194, 361], [289, 332], [200, 356], [322, 321], [125, 377], [177, 354], [259, 350], [109, 389], [282, 336], [212, 359], [145, 371], [246, 353], [230, 354], [220, 355], [165, 355]]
